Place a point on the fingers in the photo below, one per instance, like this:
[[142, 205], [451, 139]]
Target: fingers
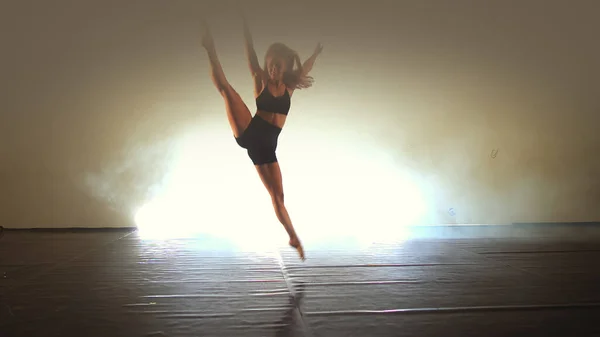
[[207, 39], [243, 17], [319, 48], [204, 24], [245, 26], [206, 33]]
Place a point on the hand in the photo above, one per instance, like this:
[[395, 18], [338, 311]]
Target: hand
[[245, 26], [207, 39], [241, 13], [318, 49]]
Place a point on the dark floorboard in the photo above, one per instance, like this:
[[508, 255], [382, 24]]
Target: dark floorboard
[[115, 284]]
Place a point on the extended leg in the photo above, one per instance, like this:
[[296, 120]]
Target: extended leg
[[270, 174], [238, 114]]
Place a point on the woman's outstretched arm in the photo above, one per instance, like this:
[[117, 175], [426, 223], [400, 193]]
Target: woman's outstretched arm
[[250, 52], [310, 62], [255, 69]]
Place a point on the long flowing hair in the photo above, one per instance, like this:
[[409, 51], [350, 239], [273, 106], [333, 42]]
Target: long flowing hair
[[294, 76]]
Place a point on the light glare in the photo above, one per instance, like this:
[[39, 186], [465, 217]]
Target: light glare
[[330, 191]]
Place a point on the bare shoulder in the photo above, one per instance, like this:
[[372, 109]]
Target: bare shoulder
[[290, 90]]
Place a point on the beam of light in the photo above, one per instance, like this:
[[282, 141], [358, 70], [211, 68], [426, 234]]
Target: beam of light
[[333, 189]]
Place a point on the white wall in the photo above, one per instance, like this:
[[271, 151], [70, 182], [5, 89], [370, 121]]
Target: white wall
[[95, 96]]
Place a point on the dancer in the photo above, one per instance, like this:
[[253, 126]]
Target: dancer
[[274, 85]]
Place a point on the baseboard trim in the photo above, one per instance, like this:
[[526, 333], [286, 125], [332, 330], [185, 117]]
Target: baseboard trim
[[128, 229], [72, 229]]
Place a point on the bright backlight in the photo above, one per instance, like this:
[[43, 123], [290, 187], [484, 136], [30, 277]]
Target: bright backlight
[[332, 189]]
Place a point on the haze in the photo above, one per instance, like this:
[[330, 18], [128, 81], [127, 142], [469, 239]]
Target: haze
[[494, 104]]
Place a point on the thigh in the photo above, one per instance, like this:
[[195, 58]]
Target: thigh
[[238, 114]]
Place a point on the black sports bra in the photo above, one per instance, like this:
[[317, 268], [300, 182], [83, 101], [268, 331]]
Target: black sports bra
[[269, 103]]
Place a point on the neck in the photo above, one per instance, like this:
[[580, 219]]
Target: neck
[[276, 82]]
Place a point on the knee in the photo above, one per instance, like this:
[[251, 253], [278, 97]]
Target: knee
[[277, 198], [223, 90]]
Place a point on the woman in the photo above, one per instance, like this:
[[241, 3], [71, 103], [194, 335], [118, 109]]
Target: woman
[[274, 85]]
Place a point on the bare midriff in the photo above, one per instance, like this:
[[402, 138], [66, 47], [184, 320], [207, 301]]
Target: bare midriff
[[276, 119]]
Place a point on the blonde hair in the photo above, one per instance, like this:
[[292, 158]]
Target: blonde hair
[[294, 76]]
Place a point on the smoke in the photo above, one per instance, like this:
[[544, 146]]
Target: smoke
[[509, 151], [138, 172], [132, 175]]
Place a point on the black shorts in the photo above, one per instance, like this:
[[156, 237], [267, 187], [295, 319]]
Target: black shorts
[[260, 139]]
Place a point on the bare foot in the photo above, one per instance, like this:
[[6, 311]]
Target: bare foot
[[294, 242]]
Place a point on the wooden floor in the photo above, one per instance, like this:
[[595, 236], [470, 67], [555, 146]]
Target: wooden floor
[[115, 284]]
